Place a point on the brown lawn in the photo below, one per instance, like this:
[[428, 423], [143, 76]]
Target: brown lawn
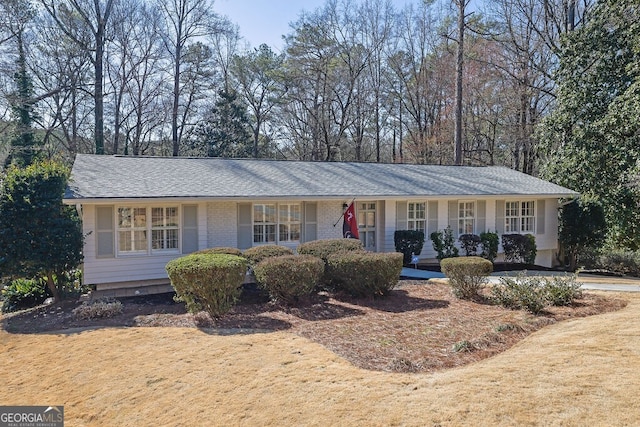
[[304, 366]]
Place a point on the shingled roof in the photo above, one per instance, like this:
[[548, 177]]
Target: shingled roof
[[125, 177]]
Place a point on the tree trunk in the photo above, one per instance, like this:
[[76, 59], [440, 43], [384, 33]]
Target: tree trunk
[[51, 284], [459, 75]]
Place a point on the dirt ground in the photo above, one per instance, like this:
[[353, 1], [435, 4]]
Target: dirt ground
[[269, 365]]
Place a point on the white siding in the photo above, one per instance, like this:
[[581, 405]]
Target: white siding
[[222, 218], [125, 268], [217, 226]]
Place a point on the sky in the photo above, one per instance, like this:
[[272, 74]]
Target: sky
[[266, 21]]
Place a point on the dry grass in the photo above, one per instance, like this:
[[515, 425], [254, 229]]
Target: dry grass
[[576, 372]]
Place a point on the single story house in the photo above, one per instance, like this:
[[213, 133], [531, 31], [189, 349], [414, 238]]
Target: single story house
[[138, 213]]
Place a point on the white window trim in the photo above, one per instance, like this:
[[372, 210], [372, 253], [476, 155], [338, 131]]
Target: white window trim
[[520, 218], [148, 230], [473, 218], [277, 223], [424, 220]]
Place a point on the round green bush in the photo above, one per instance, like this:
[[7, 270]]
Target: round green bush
[[326, 247], [210, 282], [258, 253], [289, 277], [219, 250], [466, 275], [363, 273]]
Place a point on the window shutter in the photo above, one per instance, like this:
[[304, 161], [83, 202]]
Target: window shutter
[[432, 223], [310, 222], [401, 216], [104, 232], [453, 216], [540, 220], [245, 225], [481, 217], [189, 229], [500, 206]]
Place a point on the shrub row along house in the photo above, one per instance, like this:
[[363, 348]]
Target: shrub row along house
[[138, 213]]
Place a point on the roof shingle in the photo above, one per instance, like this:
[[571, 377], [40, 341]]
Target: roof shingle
[[126, 177]]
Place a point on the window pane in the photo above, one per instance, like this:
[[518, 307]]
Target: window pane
[[371, 219], [270, 213], [157, 217], [172, 239], [140, 217], [124, 240], [172, 217], [124, 217], [270, 233], [139, 240]]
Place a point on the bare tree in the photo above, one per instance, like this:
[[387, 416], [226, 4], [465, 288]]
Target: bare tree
[[93, 16]]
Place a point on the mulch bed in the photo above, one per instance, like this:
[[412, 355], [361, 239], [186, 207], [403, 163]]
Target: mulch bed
[[419, 327]]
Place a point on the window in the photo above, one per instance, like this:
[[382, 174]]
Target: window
[[283, 217], [520, 217], [134, 229], [289, 223], [417, 216], [466, 218], [164, 228], [367, 224], [264, 223]]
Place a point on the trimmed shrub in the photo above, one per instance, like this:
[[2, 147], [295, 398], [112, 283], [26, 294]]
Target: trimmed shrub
[[469, 244], [466, 275], [219, 250], [326, 247], [289, 277], [210, 282], [408, 242], [362, 273], [562, 291], [519, 248], [489, 242], [23, 293], [98, 309], [444, 244], [258, 253]]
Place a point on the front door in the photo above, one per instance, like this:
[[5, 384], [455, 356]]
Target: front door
[[367, 224]]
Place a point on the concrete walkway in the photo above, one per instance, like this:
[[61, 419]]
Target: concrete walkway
[[589, 282]]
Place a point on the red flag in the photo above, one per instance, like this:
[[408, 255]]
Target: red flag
[[350, 225]]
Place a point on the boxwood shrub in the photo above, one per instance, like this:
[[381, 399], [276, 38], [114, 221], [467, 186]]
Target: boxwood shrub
[[258, 253], [361, 273], [210, 282], [519, 248], [466, 275], [219, 250], [289, 277], [326, 247]]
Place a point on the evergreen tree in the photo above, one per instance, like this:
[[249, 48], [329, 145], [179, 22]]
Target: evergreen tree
[[39, 236], [592, 138], [226, 131]]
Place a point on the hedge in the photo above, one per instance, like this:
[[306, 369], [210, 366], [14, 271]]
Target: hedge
[[258, 253], [466, 275], [289, 277], [364, 273], [210, 282]]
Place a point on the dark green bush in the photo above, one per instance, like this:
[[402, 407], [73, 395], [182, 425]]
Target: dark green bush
[[489, 242], [519, 248], [326, 247], [469, 244], [289, 277], [210, 282], [466, 275], [562, 290], [408, 242], [362, 273], [444, 244], [23, 293], [258, 253], [219, 250]]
